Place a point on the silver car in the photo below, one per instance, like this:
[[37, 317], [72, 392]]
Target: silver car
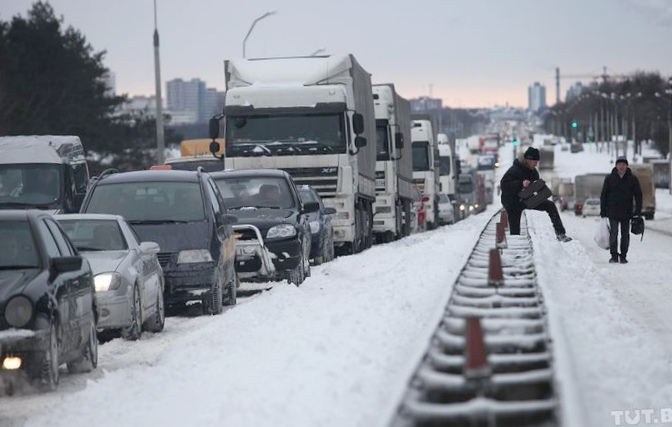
[[127, 275], [446, 210]]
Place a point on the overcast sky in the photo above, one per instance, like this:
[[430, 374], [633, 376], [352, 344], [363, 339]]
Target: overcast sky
[[468, 52]]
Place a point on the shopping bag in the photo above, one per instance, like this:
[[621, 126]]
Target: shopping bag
[[601, 236], [637, 226], [535, 193]]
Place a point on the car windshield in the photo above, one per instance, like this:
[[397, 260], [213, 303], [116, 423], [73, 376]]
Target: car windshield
[[443, 198], [17, 249], [255, 192], [160, 201], [94, 234]]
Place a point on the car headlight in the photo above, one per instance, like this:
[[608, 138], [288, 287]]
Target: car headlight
[[281, 230], [107, 281], [194, 255], [462, 207], [314, 227], [19, 311]]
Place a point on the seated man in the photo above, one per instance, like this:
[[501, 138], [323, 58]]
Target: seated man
[[269, 195]]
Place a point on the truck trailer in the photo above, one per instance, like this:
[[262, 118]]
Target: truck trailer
[[426, 165], [314, 118]]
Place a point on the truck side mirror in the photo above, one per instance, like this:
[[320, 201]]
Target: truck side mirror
[[358, 123], [214, 130], [399, 140], [360, 141]]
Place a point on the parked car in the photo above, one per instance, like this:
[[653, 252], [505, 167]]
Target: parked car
[[446, 210], [183, 212], [591, 207], [46, 299], [321, 230], [274, 238], [126, 273]]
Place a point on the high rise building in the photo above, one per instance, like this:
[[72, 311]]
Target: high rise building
[[536, 97], [575, 91], [192, 101]]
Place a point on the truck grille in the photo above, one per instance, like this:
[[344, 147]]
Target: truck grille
[[323, 179]]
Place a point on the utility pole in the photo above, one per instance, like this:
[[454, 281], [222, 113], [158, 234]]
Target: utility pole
[[557, 85], [160, 142]]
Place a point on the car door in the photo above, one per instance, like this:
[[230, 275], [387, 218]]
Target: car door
[[147, 272], [80, 291]]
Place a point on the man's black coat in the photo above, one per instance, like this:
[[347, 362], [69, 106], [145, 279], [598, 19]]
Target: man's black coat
[[512, 183], [620, 195]]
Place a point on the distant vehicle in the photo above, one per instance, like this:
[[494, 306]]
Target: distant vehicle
[[47, 297], [183, 212], [42, 172], [321, 230], [644, 173], [446, 210], [567, 203], [591, 207], [273, 234], [127, 274], [575, 147]]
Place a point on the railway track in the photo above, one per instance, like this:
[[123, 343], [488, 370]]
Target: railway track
[[489, 362]]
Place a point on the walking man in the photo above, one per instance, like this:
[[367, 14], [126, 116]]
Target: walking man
[[621, 199], [519, 176]]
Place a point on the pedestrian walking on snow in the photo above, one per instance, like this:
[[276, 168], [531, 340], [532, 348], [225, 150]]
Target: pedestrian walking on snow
[[620, 201], [521, 174]]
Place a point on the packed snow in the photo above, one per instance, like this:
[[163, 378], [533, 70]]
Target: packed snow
[[339, 349]]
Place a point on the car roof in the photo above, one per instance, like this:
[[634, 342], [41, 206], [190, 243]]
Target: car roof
[[279, 173], [150, 175], [91, 216], [20, 214]]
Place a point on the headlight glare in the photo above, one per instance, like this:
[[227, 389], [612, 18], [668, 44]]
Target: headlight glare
[[194, 255], [19, 311], [281, 230], [107, 281]]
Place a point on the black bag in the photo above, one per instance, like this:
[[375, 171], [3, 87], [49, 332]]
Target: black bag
[[637, 226], [535, 193]]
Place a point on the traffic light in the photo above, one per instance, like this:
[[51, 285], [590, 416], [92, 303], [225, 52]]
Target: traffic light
[[575, 124], [515, 142]]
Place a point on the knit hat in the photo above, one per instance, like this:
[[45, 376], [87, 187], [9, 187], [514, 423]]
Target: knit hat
[[622, 159], [532, 154]]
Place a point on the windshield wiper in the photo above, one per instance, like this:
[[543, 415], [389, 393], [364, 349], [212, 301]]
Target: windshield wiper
[[88, 249], [16, 267]]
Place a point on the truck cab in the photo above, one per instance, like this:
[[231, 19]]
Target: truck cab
[[47, 172]]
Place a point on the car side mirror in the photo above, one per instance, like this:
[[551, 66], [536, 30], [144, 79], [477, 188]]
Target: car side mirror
[[309, 207], [329, 211], [358, 123], [360, 141], [149, 247], [66, 264], [213, 130], [399, 140]]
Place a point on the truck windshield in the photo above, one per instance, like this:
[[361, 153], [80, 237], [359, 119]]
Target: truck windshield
[[285, 135], [31, 185], [420, 155], [382, 141]]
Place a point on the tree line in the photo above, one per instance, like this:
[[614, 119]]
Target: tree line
[[52, 82]]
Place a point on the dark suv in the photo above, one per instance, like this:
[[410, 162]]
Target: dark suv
[[184, 213], [272, 223]]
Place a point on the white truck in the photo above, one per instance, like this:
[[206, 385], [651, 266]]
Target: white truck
[[314, 118], [426, 166], [448, 171], [394, 165]]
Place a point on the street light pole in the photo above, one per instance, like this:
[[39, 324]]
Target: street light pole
[[265, 15], [160, 142]]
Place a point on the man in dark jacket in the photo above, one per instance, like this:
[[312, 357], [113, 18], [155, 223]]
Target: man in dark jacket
[[621, 198], [519, 176]]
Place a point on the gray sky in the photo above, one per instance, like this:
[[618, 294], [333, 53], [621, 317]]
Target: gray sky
[[468, 52]]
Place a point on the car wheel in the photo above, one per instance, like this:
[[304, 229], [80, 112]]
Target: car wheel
[[233, 291], [48, 374], [89, 358], [134, 330], [156, 321], [306, 258], [213, 304]]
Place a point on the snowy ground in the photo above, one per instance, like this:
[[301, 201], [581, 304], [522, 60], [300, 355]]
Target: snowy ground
[[338, 350]]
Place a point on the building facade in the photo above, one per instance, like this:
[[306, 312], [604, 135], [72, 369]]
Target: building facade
[[536, 97]]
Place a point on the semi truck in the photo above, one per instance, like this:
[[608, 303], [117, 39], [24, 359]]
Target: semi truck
[[426, 165], [644, 173], [394, 165], [46, 172], [448, 170], [314, 118]]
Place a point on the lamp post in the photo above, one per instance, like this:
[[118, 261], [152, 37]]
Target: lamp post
[[265, 15], [318, 51], [160, 141]]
